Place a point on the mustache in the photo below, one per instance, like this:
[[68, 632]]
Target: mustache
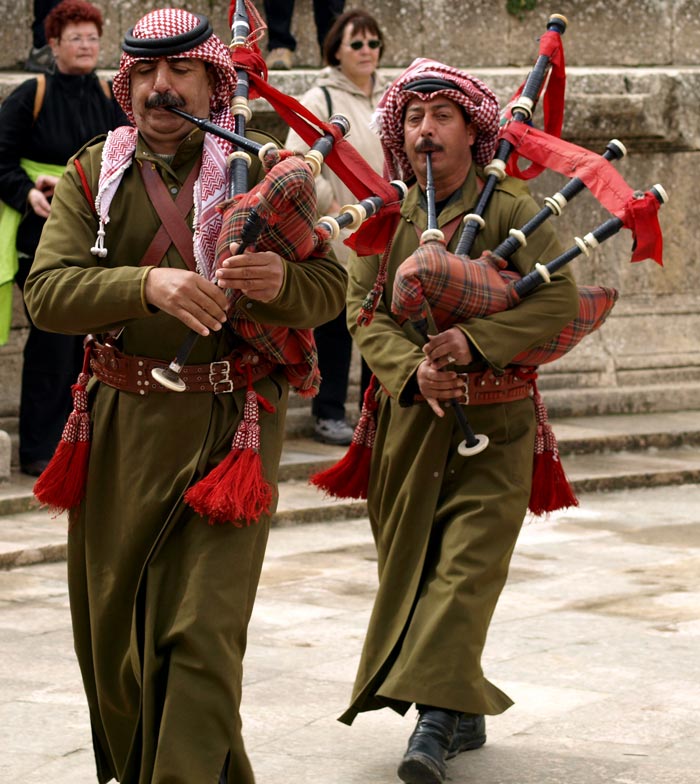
[[160, 100], [427, 145]]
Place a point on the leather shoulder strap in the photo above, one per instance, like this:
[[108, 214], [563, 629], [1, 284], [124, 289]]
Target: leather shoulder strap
[[448, 229], [172, 213]]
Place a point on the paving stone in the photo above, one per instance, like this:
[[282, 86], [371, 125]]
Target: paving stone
[[595, 639]]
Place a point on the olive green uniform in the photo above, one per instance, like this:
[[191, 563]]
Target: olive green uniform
[[445, 525], [160, 599]]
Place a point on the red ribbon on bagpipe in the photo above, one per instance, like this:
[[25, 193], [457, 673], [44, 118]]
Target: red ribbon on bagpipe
[[640, 215], [552, 102]]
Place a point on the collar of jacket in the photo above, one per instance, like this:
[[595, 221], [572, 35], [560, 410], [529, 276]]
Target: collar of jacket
[[188, 151], [331, 76], [413, 212]]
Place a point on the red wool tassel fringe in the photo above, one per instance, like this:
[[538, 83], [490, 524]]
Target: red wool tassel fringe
[[550, 487], [62, 484], [236, 490], [349, 477]]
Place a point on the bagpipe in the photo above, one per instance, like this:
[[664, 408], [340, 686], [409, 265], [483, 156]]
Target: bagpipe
[[279, 214], [436, 289]]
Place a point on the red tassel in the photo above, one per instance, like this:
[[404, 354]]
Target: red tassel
[[236, 490], [62, 484], [371, 300], [550, 489], [349, 477]]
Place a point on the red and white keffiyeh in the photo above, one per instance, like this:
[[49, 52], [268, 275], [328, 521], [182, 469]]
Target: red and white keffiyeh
[[166, 23], [477, 99], [209, 189]]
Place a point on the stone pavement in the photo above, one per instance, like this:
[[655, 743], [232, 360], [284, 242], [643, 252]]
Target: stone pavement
[[596, 638]]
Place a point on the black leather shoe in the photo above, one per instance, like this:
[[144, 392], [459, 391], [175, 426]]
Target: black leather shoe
[[424, 760], [470, 734]]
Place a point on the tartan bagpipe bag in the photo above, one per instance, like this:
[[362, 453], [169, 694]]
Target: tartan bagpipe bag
[[457, 289], [285, 201]]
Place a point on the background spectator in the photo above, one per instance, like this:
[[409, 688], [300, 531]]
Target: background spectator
[[281, 43], [42, 124], [40, 55], [349, 85]]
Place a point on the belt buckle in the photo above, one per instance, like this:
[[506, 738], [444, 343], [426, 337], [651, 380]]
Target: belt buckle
[[221, 367]]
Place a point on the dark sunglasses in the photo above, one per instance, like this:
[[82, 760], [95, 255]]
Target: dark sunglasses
[[373, 43]]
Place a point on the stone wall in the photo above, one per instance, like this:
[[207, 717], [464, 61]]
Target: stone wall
[[633, 73], [475, 34]]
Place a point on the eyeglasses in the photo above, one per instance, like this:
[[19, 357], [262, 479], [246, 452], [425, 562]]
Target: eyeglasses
[[373, 43], [76, 40]]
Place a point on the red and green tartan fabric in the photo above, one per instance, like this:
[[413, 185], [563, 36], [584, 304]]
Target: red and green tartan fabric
[[457, 289], [286, 200], [594, 304]]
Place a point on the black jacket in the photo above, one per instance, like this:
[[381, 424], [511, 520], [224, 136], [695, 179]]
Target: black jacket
[[75, 109]]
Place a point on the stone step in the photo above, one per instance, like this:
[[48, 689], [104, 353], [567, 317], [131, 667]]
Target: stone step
[[600, 454], [31, 535], [607, 442]]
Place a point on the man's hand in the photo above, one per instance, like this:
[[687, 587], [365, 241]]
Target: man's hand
[[449, 347], [40, 194], [196, 302], [435, 385], [258, 275]]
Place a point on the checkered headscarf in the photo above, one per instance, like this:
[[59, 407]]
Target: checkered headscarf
[[165, 24], [477, 99]]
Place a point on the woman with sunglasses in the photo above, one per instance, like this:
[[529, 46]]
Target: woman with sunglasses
[[350, 85]]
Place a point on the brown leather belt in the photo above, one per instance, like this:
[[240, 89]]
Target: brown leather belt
[[130, 373], [484, 387]]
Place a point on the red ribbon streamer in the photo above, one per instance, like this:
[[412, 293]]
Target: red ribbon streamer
[[640, 215], [552, 104]]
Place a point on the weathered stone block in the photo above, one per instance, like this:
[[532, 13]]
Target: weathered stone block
[[5, 451], [650, 32]]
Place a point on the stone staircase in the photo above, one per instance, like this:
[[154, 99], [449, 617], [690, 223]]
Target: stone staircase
[[600, 453]]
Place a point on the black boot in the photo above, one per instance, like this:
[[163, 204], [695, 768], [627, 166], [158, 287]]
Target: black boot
[[470, 734], [424, 760]]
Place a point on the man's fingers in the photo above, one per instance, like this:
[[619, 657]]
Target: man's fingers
[[199, 320], [196, 302], [435, 406]]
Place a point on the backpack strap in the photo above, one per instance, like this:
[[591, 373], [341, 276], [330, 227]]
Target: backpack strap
[[329, 103], [41, 92], [106, 88], [39, 95]]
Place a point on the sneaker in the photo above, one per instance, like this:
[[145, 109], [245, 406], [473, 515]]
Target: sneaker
[[279, 59], [40, 60], [333, 431]]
